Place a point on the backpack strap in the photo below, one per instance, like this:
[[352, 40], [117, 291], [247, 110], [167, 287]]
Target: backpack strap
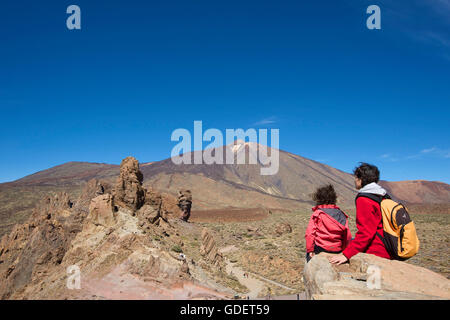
[[377, 198]]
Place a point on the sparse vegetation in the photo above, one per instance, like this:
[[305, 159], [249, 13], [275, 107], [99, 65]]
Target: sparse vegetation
[[176, 248], [231, 282]]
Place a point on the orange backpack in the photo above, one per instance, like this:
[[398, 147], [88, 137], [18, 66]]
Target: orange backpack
[[399, 233]]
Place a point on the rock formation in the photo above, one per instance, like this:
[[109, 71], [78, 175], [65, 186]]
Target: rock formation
[[185, 203], [120, 240], [152, 212], [102, 211], [209, 251], [359, 279], [32, 248], [146, 204], [129, 192]]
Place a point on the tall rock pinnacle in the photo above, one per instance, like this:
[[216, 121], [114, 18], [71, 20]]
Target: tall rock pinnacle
[[129, 192]]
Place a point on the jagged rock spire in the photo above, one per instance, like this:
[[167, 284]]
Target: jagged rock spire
[[129, 192]]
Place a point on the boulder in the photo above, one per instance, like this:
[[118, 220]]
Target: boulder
[[92, 189], [367, 276], [101, 211], [282, 228], [148, 215]]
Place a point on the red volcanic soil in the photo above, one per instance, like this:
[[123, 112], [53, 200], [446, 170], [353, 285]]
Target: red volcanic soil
[[120, 285], [229, 215]]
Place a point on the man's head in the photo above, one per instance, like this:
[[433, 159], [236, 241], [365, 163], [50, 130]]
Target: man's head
[[325, 195], [364, 174]]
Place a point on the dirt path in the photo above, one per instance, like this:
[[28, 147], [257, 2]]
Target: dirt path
[[228, 249], [253, 284], [273, 282]]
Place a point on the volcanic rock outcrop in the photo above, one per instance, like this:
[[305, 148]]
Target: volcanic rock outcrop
[[102, 211], [367, 276], [32, 248], [209, 251], [185, 203], [119, 239], [129, 192], [152, 212], [146, 204]]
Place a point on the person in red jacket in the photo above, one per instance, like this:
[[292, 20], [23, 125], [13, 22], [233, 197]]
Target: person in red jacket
[[328, 229], [368, 216]]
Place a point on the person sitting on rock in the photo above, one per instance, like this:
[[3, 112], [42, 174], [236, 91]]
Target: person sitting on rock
[[368, 216], [328, 229]]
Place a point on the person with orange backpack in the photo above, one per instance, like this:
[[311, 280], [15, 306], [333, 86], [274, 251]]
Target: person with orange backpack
[[384, 226]]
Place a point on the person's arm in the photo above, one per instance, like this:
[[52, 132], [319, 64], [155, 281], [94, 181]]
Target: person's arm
[[310, 233], [366, 222]]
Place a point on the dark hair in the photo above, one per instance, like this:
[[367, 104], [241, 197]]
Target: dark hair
[[325, 195], [368, 173]]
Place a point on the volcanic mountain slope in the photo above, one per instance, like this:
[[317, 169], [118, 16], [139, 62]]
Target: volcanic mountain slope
[[243, 186], [71, 173], [419, 191], [120, 241]]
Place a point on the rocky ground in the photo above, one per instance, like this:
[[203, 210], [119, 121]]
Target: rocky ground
[[124, 239]]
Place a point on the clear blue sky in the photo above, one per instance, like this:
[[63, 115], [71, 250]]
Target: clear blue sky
[[137, 70]]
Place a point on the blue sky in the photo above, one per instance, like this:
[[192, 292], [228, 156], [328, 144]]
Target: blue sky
[[137, 70]]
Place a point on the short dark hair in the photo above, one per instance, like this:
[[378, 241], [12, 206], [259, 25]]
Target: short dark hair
[[368, 173], [325, 195]]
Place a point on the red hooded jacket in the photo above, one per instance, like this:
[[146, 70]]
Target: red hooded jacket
[[368, 222], [328, 229]]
